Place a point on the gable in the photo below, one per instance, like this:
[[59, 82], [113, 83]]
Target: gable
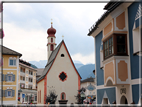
[[63, 60], [52, 58]]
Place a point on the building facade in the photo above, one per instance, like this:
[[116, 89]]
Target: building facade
[[117, 37], [27, 92], [59, 75], [9, 75], [89, 85]]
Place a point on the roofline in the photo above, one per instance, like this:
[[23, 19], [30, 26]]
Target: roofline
[[95, 26], [19, 54]]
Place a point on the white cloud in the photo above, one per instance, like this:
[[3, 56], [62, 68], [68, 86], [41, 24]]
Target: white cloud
[[84, 59], [30, 43]]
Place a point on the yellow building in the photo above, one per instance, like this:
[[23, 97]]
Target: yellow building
[[27, 83], [9, 76]]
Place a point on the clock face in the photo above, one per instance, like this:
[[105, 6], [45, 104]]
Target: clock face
[[90, 87]]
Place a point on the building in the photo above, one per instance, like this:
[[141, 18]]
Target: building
[[89, 85], [9, 76], [27, 92], [59, 74], [117, 36]]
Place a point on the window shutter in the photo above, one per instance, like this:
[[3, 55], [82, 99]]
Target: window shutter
[[2, 77], [6, 77], [13, 93], [0, 92], [13, 77], [5, 93]]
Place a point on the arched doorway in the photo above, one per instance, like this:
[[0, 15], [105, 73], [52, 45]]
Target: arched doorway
[[123, 100]]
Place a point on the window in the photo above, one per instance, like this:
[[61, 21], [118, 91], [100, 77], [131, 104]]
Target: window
[[62, 55], [51, 48], [121, 48], [23, 78], [27, 72], [35, 97], [115, 45], [63, 96], [51, 39], [26, 78], [12, 62], [9, 77], [108, 47], [9, 93]]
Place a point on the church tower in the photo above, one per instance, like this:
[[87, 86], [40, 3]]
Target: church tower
[[51, 45]]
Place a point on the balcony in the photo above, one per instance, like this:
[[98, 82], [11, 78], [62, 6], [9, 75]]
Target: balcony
[[116, 71], [22, 81], [30, 75], [22, 73]]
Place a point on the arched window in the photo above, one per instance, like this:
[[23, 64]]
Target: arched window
[[51, 39], [63, 96], [51, 48], [62, 55]]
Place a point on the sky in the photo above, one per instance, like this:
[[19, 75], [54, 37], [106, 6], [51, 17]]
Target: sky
[[25, 27]]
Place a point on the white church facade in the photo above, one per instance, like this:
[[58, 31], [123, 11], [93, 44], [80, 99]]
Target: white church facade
[[59, 74]]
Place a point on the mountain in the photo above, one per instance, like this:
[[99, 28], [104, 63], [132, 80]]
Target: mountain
[[39, 64], [42, 63], [33, 66], [86, 71]]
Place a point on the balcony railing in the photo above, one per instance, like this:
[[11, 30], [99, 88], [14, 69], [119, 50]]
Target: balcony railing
[[22, 73], [22, 81]]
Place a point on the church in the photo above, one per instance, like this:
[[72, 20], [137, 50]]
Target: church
[[59, 75]]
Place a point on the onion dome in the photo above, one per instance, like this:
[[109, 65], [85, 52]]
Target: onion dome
[[51, 31]]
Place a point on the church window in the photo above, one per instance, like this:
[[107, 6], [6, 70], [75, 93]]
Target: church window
[[51, 39], [51, 49], [62, 55], [63, 76], [63, 96]]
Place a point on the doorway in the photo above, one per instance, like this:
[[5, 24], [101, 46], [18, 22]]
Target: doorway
[[123, 100]]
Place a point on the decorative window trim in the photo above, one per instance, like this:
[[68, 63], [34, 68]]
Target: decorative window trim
[[65, 75], [12, 78], [63, 93], [7, 93], [12, 58]]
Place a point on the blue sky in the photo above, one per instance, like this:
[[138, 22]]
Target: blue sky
[[25, 27]]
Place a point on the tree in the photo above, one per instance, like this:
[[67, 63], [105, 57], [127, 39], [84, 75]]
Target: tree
[[78, 98], [51, 98]]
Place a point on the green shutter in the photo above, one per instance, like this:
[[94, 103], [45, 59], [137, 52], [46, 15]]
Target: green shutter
[[13, 77], [6, 77], [5, 93], [13, 93]]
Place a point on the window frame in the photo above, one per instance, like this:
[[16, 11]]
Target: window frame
[[10, 91], [8, 77], [13, 62], [115, 51], [112, 36]]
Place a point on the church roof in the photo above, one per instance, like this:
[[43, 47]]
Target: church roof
[[51, 60]]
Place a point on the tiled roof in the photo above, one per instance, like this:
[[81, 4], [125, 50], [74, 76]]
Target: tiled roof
[[7, 51], [88, 80]]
